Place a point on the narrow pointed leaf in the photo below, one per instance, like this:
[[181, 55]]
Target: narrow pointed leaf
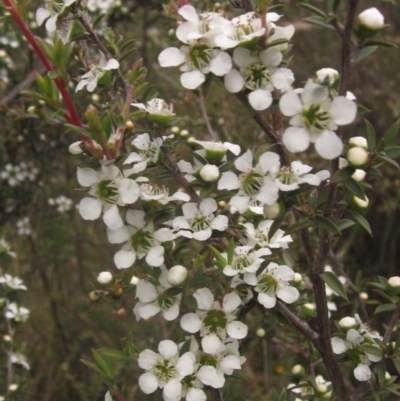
[[371, 136], [361, 221], [326, 224]]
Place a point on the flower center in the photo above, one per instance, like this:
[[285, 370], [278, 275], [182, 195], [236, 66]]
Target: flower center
[[268, 285], [286, 176], [207, 360], [151, 153], [261, 238], [199, 56], [252, 182], [240, 262], [161, 107], [107, 191], [200, 223], [256, 76], [154, 191], [164, 370], [142, 241], [215, 320], [165, 303], [189, 381], [246, 26], [316, 117], [64, 27]]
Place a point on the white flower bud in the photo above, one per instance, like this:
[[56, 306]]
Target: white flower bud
[[358, 157], [298, 370], [361, 203], [209, 173], [105, 278], [394, 282], [134, 280], [272, 211], [95, 97], [31, 110], [359, 175], [321, 389], [175, 130], [364, 296], [7, 338], [184, 132], [387, 376], [327, 74], [359, 141], [297, 278], [177, 275], [348, 323], [13, 387], [372, 19], [260, 332], [75, 148]]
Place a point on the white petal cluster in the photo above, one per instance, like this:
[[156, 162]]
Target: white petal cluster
[[14, 283], [89, 80], [17, 313], [24, 226], [353, 343], [314, 117], [61, 203], [16, 174]]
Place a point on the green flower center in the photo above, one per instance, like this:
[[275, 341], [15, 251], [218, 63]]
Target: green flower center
[[261, 238], [189, 381], [199, 56], [215, 320], [355, 353], [107, 191], [252, 182], [164, 370], [256, 76], [268, 285], [207, 360], [165, 303], [286, 176], [142, 241], [241, 262], [200, 223], [151, 154], [316, 117]]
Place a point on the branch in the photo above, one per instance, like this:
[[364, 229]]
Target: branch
[[206, 119], [393, 320]]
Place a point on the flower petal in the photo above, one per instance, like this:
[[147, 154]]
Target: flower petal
[[260, 99], [296, 139], [124, 259], [171, 57], [191, 323], [237, 330], [343, 110], [90, 208], [328, 145], [192, 80]]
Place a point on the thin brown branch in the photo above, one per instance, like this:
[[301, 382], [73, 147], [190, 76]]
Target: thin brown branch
[[206, 119], [393, 321]]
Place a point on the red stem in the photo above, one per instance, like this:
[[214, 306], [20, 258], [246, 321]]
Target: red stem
[[184, 3], [72, 117]]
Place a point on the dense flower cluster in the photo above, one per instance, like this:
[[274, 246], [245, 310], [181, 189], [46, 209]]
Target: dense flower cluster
[[16, 174]]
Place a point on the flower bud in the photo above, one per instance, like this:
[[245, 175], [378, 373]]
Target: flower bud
[[184, 132], [129, 125], [134, 280], [360, 203], [260, 332], [175, 130], [298, 371], [371, 19], [272, 211], [321, 389], [105, 278], [209, 173], [13, 387], [95, 97], [7, 338], [308, 309], [364, 296], [359, 141], [75, 148], [358, 157], [359, 175], [177, 275], [328, 75], [31, 110], [122, 312], [347, 323], [94, 296], [394, 282], [387, 377], [297, 278]]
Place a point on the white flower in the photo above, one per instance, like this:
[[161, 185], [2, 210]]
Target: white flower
[[96, 72], [14, 283], [159, 193], [327, 75], [260, 236], [153, 299], [19, 314], [165, 370], [5, 247], [259, 74], [141, 241], [371, 18], [198, 221], [20, 359], [214, 321], [12, 174], [24, 226], [196, 60], [108, 189], [245, 259], [214, 152], [271, 283], [253, 182], [57, 18], [62, 203], [314, 117], [159, 110]]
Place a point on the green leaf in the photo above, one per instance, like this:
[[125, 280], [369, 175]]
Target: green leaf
[[313, 9], [220, 260], [381, 43], [365, 52], [373, 172], [277, 42], [319, 22], [300, 225], [344, 223], [371, 136], [391, 133], [392, 152], [396, 363], [113, 353], [387, 160], [326, 224], [92, 366], [102, 364], [361, 221], [332, 5], [333, 282], [354, 187], [384, 308], [371, 349]]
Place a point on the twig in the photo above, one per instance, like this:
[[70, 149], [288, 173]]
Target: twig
[[206, 119], [216, 394], [393, 320]]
